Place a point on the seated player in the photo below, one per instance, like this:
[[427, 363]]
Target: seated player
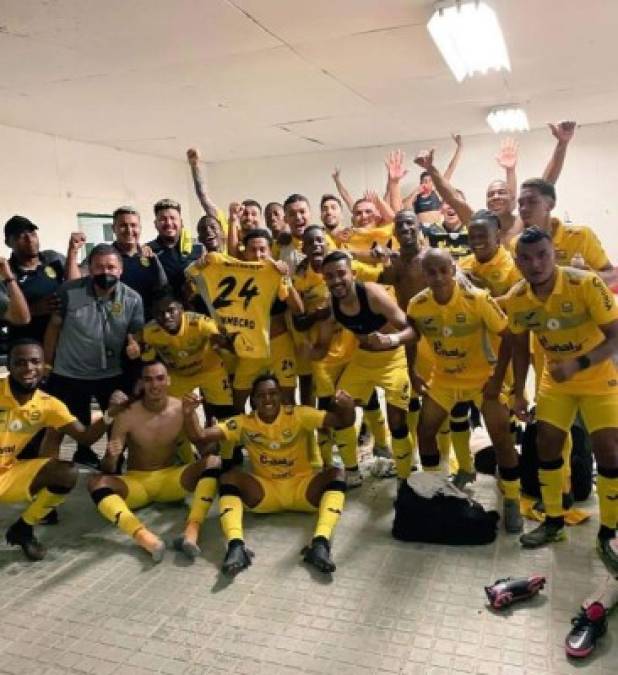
[[575, 318], [454, 319], [152, 427], [25, 409], [277, 438], [381, 328]]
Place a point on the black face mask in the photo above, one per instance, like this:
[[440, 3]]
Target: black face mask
[[105, 281]]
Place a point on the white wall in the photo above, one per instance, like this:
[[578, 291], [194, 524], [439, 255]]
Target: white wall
[[50, 179], [587, 190]]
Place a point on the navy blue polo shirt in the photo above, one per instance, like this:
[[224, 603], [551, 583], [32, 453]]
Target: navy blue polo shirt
[[175, 262], [37, 284]]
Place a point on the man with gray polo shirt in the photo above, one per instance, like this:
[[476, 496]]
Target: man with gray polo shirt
[[86, 338]]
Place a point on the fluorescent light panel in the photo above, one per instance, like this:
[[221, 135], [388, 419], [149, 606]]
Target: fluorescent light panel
[[469, 38], [508, 119]]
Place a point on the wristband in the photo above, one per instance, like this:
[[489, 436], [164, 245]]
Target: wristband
[[108, 419], [583, 362], [394, 339]]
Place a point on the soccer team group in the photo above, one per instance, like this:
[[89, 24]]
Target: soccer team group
[[421, 310]]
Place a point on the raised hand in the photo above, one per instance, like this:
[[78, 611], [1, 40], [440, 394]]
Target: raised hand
[[190, 403], [457, 139], [395, 165], [336, 173], [76, 241], [133, 349], [424, 159], [507, 155], [5, 269], [118, 402], [193, 155], [235, 211], [564, 131]]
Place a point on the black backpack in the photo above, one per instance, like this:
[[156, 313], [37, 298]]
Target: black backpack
[[449, 516]]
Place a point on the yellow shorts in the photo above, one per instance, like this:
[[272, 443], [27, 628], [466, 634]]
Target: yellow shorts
[[446, 398], [559, 410], [325, 377], [287, 494], [387, 370], [213, 383], [424, 360], [15, 481], [154, 486], [303, 365], [281, 363]]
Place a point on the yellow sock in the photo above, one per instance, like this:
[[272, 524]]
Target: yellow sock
[[551, 491], [346, 443], [115, 509], [511, 488], [331, 506], [377, 425], [566, 467], [460, 437], [432, 469], [204, 494], [402, 454], [443, 440], [607, 490], [44, 501], [230, 508], [315, 456], [325, 445]]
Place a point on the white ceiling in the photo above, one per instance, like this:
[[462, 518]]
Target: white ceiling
[[257, 78]]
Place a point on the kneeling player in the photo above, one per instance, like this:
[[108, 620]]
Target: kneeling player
[[25, 409], [153, 427], [277, 438]]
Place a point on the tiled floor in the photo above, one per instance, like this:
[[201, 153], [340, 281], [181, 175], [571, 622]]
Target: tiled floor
[[98, 605]]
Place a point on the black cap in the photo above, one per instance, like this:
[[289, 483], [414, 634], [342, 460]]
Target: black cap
[[16, 225]]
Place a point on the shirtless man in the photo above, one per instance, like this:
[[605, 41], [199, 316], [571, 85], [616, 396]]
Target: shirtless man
[[151, 428]]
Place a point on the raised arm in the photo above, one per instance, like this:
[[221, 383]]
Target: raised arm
[[507, 159], [193, 157], [17, 311], [448, 193], [563, 133], [77, 241], [386, 212], [396, 171], [344, 194], [452, 165], [233, 230]]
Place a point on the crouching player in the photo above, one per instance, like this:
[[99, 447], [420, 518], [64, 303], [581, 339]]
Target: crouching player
[[277, 438]]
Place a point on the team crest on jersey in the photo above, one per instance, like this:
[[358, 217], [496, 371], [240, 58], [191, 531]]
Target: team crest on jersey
[[116, 308], [15, 425], [50, 272], [447, 331], [35, 415], [232, 425], [553, 324], [144, 261], [460, 318], [273, 445], [567, 306], [182, 354]]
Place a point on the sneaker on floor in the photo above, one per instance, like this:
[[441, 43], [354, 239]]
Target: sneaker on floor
[[462, 478], [589, 625], [513, 522], [353, 479], [546, 533], [383, 467], [608, 550]]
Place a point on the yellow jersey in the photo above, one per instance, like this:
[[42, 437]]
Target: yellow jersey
[[186, 353], [458, 334], [241, 294], [572, 240], [19, 423], [281, 449], [364, 238], [499, 274], [567, 326]]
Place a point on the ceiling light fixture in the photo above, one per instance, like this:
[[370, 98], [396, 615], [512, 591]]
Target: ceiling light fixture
[[469, 37], [508, 118]]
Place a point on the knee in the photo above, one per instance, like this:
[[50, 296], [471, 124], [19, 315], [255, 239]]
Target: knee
[[333, 475], [230, 478], [97, 482], [64, 474], [396, 418]]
